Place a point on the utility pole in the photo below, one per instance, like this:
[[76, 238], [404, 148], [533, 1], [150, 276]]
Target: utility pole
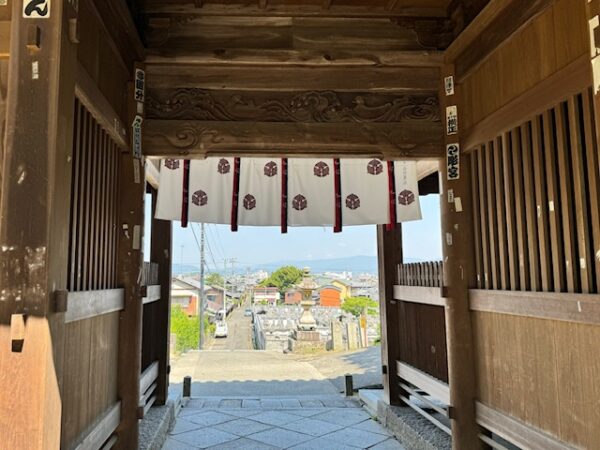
[[225, 288], [225, 261], [201, 296], [232, 261]]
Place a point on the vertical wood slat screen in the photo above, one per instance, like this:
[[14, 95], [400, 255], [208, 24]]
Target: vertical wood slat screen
[[428, 274], [536, 198], [94, 195]]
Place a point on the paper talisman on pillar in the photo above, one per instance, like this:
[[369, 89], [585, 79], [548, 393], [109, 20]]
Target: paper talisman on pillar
[[451, 120], [449, 85], [36, 9], [137, 136], [453, 161], [139, 92]]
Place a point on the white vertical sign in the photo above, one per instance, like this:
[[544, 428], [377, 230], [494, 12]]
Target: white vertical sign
[[449, 85], [453, 161], [451, 120], [36, 9]]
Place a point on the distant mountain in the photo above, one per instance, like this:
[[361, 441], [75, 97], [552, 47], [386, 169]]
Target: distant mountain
[[356, 264], [179, 269]]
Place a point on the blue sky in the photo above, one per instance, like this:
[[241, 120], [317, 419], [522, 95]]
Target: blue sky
[[258, 245]]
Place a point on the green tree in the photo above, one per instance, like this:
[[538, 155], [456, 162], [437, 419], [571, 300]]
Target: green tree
[[356, 305], [283, 278], [214, 279], [187, 329]]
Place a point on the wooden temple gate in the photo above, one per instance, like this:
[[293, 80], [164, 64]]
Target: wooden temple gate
[[506, 339]]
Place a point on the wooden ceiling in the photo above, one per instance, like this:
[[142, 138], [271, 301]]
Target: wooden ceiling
[[296, 77], [337, 8]]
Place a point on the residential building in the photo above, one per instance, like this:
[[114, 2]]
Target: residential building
[[344, 287], [268, 295], [330, 296], [293, 296], [184, 292]]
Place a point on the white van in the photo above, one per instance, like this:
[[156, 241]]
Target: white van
[[221, 330]]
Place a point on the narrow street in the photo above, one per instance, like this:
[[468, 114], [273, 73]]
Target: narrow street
[[250, 399], [239, 334]]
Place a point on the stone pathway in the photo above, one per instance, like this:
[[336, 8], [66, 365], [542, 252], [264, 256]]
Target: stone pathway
[[311, 423]]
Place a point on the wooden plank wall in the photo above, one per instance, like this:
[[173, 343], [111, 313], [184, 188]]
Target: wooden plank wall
[[421, 327], [552, 41], [536, 227], [98, 55], [89, 384], [3, 85], [422, 337], [545, 373]]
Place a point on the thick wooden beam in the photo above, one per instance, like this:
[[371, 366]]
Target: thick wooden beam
[[4, 38], [34, 224], [329, 107], [593, 158], [95, 102], [434, 387], [129, 266], [282, 57], [499, 20], [249, 9], [420, 294], [86, 304], [148, 377], [278, 78], [197, 139], [161, 250], [458, 256], [101, 430], [517, 432], [36, 423], [578, 308], [389, 255], [152, 294]]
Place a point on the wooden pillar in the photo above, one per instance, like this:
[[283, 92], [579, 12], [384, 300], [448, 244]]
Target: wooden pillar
[[34, 223], [132, 187], [458, 254], [389, 254], [593, 158], [161, 250]]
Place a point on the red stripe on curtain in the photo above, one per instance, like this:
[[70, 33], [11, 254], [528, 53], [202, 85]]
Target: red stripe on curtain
[[338, 196], [284, 195], [185, 198], [392, 196], [236, 194]]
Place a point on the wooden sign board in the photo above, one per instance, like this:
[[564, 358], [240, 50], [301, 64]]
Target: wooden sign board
[[453, 161]]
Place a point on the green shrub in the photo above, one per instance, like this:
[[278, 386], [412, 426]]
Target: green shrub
[[356, 305], [187, 329]]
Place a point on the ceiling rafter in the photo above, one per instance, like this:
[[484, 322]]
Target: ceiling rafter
[[263, 8]]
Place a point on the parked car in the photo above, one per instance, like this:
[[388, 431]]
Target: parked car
[[221, 330], [248, 312]]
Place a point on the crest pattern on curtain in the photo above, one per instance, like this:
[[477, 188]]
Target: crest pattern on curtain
[[288, 192]]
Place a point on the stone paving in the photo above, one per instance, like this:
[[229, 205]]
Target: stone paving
[[303, 423]]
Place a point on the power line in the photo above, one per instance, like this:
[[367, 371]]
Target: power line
[[219, 241], [212, 256]]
